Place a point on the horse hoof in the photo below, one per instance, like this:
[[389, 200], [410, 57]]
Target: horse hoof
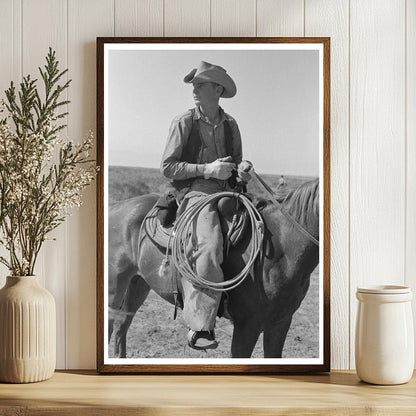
[[202, 340]]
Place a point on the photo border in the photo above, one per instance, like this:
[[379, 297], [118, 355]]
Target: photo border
[[101, 197]]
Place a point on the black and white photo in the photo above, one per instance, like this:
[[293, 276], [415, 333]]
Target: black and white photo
[[213, 251]]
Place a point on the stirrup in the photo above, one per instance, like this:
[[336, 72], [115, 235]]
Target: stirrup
[[194, 336]]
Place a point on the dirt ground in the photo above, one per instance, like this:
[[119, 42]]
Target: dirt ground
[[154, 334]]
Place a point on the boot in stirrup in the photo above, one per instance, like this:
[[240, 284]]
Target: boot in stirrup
[[202, 340]]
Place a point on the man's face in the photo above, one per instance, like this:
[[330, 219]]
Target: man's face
[[206, 93]]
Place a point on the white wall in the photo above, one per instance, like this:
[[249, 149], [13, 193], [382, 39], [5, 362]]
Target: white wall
[[373, 132]]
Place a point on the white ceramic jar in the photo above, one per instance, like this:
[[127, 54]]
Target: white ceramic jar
[[384, 338]]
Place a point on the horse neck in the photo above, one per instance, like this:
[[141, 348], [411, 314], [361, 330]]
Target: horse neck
[[287, 241], [302, 205]]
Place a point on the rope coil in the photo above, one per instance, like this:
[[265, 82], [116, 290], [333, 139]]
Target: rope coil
[[181, 236]]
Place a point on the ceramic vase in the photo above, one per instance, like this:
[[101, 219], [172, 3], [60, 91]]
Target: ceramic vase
[[27, 331], [384, 341]]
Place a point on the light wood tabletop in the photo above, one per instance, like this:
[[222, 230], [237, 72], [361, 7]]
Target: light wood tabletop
[[86, 393]]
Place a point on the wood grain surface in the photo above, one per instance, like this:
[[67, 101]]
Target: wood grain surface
[[410, 262], [186, 18], [331, 18], [211, 368], [280, 18], [138, 18], [51, 266], [82, 393], [373, 152], [85, 19], [377, 148], [233, 18]]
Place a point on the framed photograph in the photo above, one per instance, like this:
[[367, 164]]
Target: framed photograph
[[213, 205]]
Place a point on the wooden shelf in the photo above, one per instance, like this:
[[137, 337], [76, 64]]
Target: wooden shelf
[[86, 393]]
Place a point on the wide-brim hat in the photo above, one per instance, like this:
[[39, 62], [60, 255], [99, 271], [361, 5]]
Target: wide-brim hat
[[207, 72]]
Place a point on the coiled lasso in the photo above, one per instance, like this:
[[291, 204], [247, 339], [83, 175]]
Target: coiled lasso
[[181, 235]]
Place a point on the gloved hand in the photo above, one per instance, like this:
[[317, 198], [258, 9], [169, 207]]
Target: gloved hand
[[220, 168], [244, 170]]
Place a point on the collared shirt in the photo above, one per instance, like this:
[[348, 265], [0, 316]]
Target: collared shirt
[[213, 140]]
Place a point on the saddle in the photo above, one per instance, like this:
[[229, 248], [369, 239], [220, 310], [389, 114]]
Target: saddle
[[160, 219], [158, 226]]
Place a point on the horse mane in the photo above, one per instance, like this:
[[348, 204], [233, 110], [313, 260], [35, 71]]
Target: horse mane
[[302, 204]]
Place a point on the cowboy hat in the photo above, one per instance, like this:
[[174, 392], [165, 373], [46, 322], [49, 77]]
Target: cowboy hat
[[207, 72]]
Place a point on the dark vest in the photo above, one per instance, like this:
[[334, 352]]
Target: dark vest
[[194, 147]]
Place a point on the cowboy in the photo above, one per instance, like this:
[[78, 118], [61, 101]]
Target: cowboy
[[202, 154]]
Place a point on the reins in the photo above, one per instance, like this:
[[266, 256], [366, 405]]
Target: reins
[[269, 191]]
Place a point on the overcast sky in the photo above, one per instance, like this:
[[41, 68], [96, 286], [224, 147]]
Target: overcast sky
[[276, 105]]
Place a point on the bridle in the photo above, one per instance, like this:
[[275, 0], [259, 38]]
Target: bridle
[[272, 196]]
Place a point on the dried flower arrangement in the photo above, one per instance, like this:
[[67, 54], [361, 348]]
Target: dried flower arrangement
[[42, 176]]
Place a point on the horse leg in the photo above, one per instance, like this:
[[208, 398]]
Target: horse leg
[[118, 283], [110, 328], [274, 338], [136, 294], [245, 336]]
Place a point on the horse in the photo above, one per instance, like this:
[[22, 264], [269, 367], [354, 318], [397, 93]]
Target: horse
[[264, 302]]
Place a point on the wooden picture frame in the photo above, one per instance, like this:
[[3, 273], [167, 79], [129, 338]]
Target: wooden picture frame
[[284, 85]]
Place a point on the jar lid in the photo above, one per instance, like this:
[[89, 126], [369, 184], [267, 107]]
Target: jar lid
[[384, 289]]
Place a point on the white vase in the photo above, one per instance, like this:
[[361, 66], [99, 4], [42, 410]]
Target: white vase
[[27, 331], [384, 338]]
